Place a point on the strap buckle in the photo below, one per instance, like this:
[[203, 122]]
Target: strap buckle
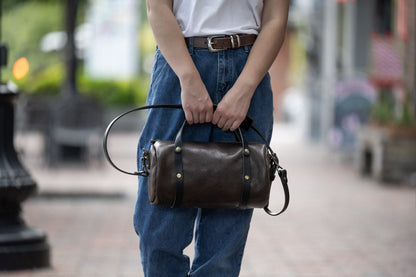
[[210, 44], [145, 164]]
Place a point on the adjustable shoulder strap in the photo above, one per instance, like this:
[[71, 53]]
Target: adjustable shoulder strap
[[282, 175], [111, 124], [283, 178]]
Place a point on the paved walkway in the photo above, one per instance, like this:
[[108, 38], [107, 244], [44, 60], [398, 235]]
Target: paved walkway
[[338, 223]]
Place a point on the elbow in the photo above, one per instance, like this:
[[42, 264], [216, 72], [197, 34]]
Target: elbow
[[149, 8], [155, 9]]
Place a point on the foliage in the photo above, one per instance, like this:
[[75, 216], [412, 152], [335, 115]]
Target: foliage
[[25, 22], [23, 28], [388, 111], [407, 117], [46, 82], [11, 4], [130, 92], [382, 110]]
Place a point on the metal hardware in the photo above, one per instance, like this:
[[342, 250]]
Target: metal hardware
[[178, 175], [232, 42], [145, 164], [274, 165], [282, 173], [178, 149], [247, 177], [238, 41], [210, 43]]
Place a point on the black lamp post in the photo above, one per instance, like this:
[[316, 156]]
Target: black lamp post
[[21, 247]]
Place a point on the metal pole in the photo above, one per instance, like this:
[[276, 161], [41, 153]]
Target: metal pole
[[413, 45], [329, 69], [21, 247], [348, 43], [71, 8]]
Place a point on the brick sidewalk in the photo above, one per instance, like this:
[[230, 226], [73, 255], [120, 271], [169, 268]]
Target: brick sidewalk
[[338, 224]]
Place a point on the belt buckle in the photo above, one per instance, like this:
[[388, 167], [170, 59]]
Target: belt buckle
[[210, 48]]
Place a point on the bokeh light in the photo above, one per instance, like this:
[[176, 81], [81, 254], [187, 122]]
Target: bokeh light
[[20, 68]]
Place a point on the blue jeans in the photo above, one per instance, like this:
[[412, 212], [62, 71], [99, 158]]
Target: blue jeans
[[220, 234]]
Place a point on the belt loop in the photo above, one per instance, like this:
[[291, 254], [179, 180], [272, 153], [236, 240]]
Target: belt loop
[[191, 45]]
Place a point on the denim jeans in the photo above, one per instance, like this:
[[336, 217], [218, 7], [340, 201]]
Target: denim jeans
[[220, 234]]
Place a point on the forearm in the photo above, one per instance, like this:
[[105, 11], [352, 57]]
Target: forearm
[[169, 38], [196, 102], [233, 108], [267, 45]]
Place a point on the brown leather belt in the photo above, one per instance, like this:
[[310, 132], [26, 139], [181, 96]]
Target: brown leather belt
[[222, 42]]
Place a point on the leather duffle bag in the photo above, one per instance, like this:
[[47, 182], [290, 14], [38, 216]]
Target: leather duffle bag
[[236, 174]]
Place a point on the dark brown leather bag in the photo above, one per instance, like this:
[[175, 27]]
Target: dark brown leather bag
[[209, 174]]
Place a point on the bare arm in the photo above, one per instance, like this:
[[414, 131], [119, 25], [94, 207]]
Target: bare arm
[[233, 107], [195, 98]]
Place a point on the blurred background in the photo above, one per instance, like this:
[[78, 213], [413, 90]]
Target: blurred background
[[345, 128]]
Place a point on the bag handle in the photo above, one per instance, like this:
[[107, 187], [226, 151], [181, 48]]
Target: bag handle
[[246, 124]]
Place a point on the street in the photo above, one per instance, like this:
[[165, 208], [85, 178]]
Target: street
[[338, 223]]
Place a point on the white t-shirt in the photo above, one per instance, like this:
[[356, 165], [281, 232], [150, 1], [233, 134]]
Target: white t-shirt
[[218, 17]]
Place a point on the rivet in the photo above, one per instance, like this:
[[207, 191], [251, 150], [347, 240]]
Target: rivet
[[178, 149], [246, 151], [247, 177], [178, 175]]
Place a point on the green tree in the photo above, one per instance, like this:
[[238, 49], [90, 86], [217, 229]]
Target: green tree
[[25, 22]]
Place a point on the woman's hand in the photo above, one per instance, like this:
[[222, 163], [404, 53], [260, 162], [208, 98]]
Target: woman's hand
[[233, 108], [196, 102]]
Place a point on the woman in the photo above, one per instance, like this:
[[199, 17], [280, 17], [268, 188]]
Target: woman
[[209, 52]]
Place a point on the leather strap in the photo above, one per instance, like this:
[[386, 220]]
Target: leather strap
[[247, 123], [222, 42], [179, 169], [246, 180], [283, 178]]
